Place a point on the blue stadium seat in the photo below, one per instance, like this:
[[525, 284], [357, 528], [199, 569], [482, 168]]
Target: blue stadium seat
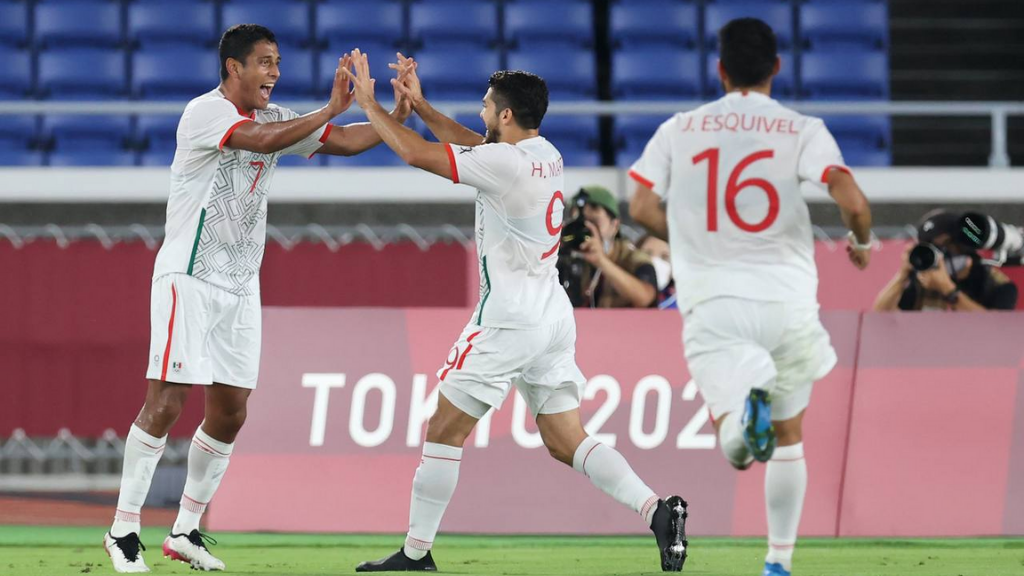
[[579, 157], [864, 157], [157, 132], [17, 132], [654, 22], [14, 23], [777, 14], [570, 73], [78, 24], [860, 131], [456, 75], [576, 131], [76, 132], [172, 23], [783, 86], [379, 155], [380, 56], [447, 22], [17, 82], [844, 75], [349, 25], [63, 75], [174, 73], [157, 158], [288, 19], [21, 158], [654, 73], [541, 22], [858, 23], [298, 75], [294, 161], [92, 158], [632, 132]]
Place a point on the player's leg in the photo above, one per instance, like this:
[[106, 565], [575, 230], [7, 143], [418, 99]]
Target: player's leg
[[434, 482], [785, 482]]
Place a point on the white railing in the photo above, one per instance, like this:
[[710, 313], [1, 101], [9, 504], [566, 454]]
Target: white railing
[[996, 111]]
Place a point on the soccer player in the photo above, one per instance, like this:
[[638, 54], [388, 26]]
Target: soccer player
[[205, 310], [522, 332], [743, 259]]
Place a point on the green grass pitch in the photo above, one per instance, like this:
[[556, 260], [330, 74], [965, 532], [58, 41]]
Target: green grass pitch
[[57, 551]]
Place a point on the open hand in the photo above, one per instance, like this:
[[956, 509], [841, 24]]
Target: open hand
[[341, 93], [359, 74], [406, 82]]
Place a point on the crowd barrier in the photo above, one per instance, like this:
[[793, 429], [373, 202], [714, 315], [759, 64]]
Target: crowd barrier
[[919, 431]]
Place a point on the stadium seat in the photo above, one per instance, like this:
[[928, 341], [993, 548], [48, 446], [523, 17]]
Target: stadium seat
[[570, 73], [157, 158], [174, 73], [456, 75], [172, 23], [298, 75], [448, 22], [654, 73], [348, 25], [13, 23], [862, 157], [76, 132], [289, 19], [380, 56], [541, 22], [21, 158], [632, 132], [844, 75], [17, 132], [92, 158], [157, 132], [379, 155], [17, 81], [579, 157], [777, 14], [783, 86], [862, 24], [571, 130], [865, 132], [63, 74], [654, 22], [294, 161], [78, 24]]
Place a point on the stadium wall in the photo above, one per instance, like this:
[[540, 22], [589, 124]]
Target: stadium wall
[[919, 431]]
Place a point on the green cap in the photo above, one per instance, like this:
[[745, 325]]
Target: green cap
[[601, 196]]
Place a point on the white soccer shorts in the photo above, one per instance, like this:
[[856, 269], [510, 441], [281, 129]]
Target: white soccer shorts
[[486, 363], [201, 334], [735, 344]]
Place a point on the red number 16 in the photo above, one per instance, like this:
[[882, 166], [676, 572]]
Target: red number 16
[[733, 188]]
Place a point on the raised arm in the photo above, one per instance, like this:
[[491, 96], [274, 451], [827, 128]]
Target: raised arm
[[444, 128], [409, 145], [276, 136], [856, 214]]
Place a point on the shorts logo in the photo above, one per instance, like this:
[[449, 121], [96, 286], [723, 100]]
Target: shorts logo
[[176, 366], [156, 359]]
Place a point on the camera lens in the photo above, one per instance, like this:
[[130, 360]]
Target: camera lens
[[924, 257]]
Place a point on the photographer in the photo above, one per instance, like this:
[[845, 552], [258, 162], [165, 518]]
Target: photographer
[[943, 273], [597, 267]]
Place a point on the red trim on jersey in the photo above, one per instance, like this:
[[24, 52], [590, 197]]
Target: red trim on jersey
[[250, 115], [323, 139], [636, 176], [824, 175], [451, 161], [231, 131], [170, 332], [552, 251]]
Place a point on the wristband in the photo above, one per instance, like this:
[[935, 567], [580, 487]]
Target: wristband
[[852, 238]]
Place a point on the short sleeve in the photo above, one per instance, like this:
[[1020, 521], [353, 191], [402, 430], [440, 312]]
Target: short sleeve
[[211, 123], [490, 168], [655, 164], [308, 146], [819, 154]]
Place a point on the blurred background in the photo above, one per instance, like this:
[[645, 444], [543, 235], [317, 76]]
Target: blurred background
[[925, 98]]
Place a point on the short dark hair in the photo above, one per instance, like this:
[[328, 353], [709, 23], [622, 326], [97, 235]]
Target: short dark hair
[[524, 93], [748, 50], [238, 41]]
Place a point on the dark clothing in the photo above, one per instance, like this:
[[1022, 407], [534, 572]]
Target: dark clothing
[[604, 295], [984, 284]]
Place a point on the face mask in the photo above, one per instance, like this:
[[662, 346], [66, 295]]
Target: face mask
[[956, 264], [663, 270]]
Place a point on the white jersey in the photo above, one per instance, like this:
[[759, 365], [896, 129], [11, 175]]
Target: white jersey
[[519, 205], [731, 173], [217, 209]]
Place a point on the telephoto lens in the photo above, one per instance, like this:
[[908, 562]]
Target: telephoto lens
[[925, 256]]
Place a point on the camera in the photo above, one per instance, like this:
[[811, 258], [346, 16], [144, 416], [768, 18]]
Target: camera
[[575, 232], [925, 256], [571, 267], [982, 232]]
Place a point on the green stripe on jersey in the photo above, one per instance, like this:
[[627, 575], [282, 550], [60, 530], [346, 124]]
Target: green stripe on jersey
[[487, 292], [195, 245]]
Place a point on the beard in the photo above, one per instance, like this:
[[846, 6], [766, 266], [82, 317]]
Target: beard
[[492, 136]]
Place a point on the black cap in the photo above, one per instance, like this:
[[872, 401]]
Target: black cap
[[935, 224]]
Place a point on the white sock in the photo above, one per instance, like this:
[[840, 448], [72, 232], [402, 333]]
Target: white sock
[[207, 461], [730, 438], [785, 482], [141, 454], [432, 489], [610, 472]]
